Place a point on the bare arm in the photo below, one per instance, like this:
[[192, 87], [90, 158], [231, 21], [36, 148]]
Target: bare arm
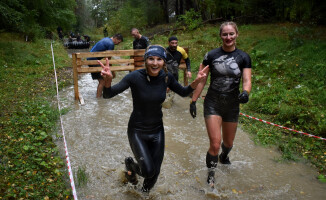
[[246, 79]]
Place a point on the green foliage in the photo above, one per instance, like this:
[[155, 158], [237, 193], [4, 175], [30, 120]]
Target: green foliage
[[121, 21], [134, 14], [191, 19], [34, 18], [30, 164], [81, 176], [288, 84]]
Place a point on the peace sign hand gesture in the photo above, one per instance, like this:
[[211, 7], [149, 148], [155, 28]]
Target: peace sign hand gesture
[[106, 71], [202, 74]]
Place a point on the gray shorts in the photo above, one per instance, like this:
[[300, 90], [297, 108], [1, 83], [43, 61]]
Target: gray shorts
[[224, 105]]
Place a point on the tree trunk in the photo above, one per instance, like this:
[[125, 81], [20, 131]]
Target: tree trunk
[[164, 4]]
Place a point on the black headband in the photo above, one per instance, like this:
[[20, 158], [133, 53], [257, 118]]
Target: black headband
[[173, 38]]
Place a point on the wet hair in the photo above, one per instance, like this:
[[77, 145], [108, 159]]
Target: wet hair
[[173, 38], [156, 50], [231, 23], [134, 29], [118, 36]]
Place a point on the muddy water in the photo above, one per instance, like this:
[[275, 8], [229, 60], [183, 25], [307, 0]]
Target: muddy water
[[97, 141]]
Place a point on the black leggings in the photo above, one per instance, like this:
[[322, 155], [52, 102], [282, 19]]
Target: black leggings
[[148, 149]]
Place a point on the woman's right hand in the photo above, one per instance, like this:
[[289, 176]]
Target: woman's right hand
[[106, 71], [201, 76]]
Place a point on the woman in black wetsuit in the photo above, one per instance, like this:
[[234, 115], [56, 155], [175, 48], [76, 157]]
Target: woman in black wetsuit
[[228, 65], [145, 127]]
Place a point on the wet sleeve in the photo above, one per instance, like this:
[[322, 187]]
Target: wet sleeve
[[175, 86], [147, 42], [188, 64], [117, 88], [246, 61], [206, 60]]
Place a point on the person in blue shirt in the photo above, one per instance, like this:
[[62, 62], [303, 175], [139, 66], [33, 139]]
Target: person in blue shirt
[[103, 45], [145, 128]]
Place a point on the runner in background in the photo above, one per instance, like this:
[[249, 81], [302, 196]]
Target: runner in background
[[103, 45], [140, 42]]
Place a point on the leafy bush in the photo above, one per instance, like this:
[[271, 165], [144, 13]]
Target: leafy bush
[[191, 19], [132, 14]]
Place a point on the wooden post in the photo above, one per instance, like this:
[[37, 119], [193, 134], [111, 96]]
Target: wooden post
[[185, 78], [75, 75]]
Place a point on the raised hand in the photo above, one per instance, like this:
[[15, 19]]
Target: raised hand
[[202, 73], [106, 70]]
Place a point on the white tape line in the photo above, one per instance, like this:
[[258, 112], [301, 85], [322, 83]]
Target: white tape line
[[72, 183], [283, 127]]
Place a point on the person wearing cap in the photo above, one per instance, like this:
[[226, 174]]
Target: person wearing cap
[[174, 56], [140, 42], [145, 128], [103, 45]]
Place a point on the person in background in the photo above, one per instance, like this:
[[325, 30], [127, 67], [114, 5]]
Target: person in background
[[60, 32], [78, 37], [227, 65], [105, 31], [103, 45], [174, 56], [87, 38], [140, 42], [145, 128]]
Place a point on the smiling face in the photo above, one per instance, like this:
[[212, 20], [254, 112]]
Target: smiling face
[[154, 64], [228, 35], [173, 45]]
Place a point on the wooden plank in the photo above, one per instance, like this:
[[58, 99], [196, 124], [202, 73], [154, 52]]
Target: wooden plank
[[185, 78], [136, 68], [106, 53], [139, 52], [81, 99], [99, 69], [183, 66], [75, 76], [111, 61], [138, 58]]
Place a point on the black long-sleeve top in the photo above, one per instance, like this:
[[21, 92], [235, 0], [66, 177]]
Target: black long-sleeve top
[[147, 96]]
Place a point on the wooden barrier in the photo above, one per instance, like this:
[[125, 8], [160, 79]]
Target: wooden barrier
[[121, 60]]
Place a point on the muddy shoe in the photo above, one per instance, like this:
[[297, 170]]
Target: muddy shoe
[[130, 174], [210, 177], [224, 160]]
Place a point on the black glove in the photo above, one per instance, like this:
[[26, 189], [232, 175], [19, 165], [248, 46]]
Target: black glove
[[192, 109], [243, 97]]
